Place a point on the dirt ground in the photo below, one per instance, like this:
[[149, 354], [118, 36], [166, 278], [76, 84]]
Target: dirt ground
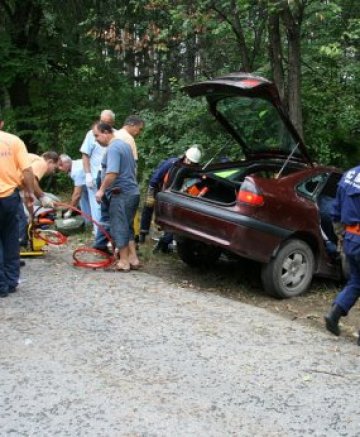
[[241, 281], [170, 352]]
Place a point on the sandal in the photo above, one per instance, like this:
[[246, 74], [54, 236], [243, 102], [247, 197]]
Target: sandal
[[116, 268], [136, 266], [122, 269]]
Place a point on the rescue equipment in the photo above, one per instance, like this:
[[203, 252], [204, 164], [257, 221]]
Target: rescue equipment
[[69, 225]]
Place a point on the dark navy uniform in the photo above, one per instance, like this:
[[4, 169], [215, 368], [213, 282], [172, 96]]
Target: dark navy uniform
[[155, 185], [346, 210]]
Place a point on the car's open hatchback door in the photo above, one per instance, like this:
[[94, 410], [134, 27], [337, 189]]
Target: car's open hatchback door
[[249, 107]]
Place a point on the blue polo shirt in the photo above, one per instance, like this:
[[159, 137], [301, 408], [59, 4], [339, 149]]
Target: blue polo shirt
[[120, 159]]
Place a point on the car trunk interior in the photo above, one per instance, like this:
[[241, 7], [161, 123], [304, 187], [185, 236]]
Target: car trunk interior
[[222, 185]]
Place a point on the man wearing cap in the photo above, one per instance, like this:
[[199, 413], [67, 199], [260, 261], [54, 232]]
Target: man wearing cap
[[15, 169], [191, 156], [346, 217]]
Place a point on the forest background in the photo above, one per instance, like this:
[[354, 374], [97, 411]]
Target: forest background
[[62, 62]]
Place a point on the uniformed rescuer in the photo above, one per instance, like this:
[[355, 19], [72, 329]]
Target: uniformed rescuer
[[15, 169], [346, 217]]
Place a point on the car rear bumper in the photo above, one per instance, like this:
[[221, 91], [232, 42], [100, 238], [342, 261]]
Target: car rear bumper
[[219, 225]]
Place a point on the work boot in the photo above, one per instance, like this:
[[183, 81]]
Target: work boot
[[4, 293], [161, 246], [332, 319]]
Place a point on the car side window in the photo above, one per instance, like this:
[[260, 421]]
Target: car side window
[[309, 187]]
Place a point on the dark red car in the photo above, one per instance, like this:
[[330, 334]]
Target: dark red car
[[272, 206]]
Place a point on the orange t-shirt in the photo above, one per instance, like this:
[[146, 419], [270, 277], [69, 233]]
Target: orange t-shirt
[[39, 165], [13, 160]]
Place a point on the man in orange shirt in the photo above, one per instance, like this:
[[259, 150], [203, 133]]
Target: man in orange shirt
[[132, 127], [15, 170], [43, 165]]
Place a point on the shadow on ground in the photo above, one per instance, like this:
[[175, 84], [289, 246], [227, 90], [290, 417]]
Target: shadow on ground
[[241, 280]]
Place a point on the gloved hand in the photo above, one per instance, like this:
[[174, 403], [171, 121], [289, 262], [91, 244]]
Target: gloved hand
[[46, 202], [67, 214], [89, 180], [150, 197]]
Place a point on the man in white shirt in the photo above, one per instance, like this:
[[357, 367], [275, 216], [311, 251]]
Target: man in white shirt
[[79, 197], [92, 154]]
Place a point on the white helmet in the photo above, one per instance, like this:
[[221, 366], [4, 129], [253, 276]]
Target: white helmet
[[193, 154]]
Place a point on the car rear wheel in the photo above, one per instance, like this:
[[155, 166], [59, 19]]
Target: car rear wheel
[[197, 254], [290, 272]]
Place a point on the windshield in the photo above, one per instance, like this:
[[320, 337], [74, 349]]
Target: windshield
[[258, 123]]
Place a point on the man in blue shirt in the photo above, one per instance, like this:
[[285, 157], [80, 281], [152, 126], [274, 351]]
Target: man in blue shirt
[[346, 217], [155, 185], [191, 156], [120, 189]]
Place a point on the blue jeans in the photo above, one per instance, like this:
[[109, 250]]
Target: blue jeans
[[348, 296], [122, 211], [146, 218], [84, 202], [100, 239], [23, 224], [94, 206], [9, 241]]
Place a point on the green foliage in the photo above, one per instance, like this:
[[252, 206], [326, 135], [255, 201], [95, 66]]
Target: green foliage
[[75, 58], [182, 123]]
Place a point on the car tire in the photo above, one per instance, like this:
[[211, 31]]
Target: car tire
[[197, 254], [290, 272]]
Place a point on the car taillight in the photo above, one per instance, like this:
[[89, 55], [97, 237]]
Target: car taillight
[[250, 194]]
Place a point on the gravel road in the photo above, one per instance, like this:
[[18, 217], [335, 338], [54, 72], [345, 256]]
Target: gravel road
[[93, 353]]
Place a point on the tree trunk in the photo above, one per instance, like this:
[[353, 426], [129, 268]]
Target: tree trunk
[[276, 57], [24, 24], [294, 80], [292, 21], [190, 59], [20, 101]]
